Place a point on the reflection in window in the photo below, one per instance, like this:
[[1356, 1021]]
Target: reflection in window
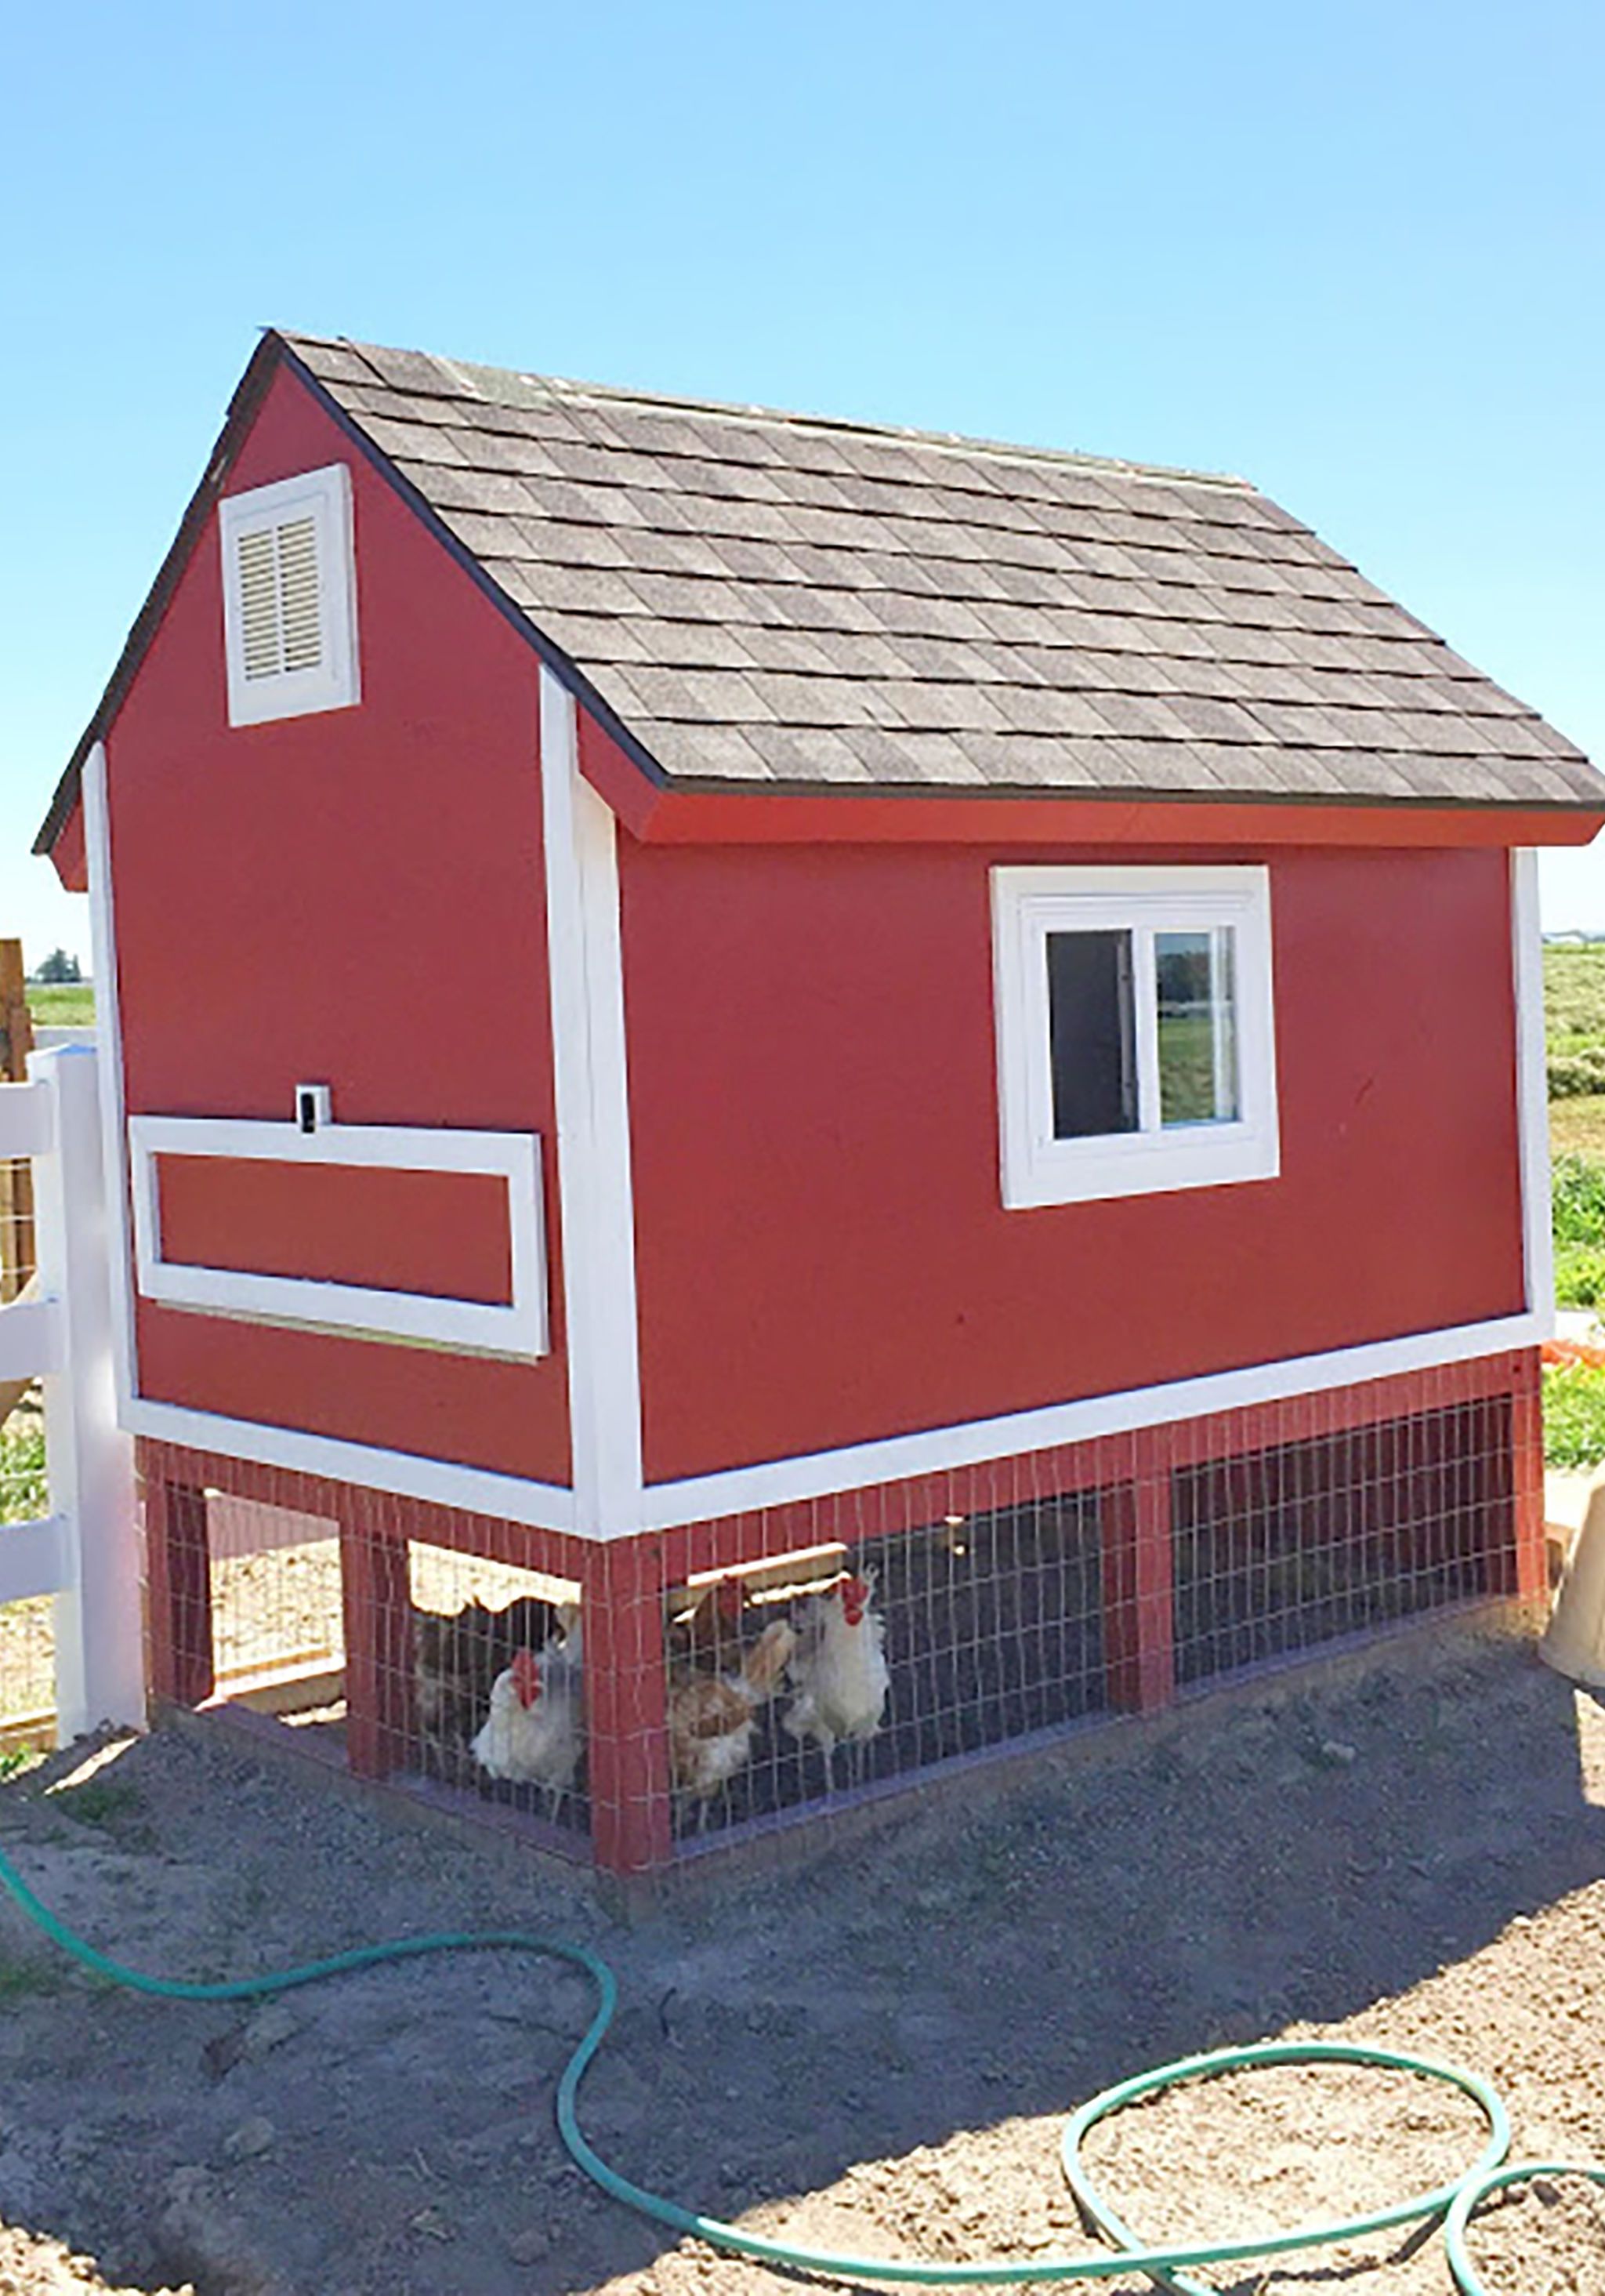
[[1197, 1027]]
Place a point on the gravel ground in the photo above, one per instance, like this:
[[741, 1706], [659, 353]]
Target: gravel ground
[[874, 2049]]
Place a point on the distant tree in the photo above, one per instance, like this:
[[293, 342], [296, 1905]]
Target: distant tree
[[59, 967]]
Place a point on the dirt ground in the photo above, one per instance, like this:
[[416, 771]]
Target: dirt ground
[[873, 2050]]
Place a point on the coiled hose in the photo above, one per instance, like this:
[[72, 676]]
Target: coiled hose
[[1166, 2266]]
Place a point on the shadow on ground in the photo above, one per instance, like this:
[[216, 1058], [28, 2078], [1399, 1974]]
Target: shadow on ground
[[1292, 1852]]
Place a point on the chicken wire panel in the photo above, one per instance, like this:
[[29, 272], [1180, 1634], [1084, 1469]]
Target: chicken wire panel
[[885, 1646], [275, 1593], [17, 1237], [27, 1628], [1340, 1534], [491, 1698]]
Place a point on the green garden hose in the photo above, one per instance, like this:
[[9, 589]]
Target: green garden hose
[[1163, 2265], [1477, 2188]]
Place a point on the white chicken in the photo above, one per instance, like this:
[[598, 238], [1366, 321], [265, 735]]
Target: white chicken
[[534, 1734], [840, 1671]]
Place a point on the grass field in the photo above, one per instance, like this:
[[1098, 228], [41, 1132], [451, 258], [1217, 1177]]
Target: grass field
[[70, 1006]]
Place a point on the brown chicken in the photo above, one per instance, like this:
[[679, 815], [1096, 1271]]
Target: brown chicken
[[711, 1715], [709, 1637]]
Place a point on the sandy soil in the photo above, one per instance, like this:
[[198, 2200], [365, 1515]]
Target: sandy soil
[[875, 2050]]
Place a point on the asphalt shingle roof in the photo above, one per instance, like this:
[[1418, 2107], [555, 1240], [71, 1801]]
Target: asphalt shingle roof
[[780, 601]]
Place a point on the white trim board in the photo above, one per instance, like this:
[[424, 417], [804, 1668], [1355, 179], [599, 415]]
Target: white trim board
[[440, 1482], [780, 1482], [1532, 1089], [595, 1191], [516, 1329], [108, 1059]]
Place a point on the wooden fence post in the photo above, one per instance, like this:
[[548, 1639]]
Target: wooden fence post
[[1138, 1631], [17, 1244]]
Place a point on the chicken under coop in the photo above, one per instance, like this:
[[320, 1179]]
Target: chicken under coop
[[772, 1665]]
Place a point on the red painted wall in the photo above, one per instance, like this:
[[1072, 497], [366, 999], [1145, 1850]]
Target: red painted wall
[[444, 1234], [353, 898], [824, 1257]]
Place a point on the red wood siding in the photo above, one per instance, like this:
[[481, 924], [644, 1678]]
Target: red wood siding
[[823, 1258], [444, 1234], [355, 898]]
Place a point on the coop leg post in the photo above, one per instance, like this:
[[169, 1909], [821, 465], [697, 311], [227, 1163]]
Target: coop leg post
[[376, 1599], [1527, 1481], [1138, 1637], [178, 1582], [628, 1756]]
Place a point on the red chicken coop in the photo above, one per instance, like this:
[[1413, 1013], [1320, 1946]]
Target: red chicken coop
[[791, 1102]]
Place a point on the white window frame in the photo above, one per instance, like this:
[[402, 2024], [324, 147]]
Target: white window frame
[[325, 496], [422, 1319], [1027, 904]]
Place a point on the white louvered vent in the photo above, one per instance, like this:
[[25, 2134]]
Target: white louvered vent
[[289, 602]]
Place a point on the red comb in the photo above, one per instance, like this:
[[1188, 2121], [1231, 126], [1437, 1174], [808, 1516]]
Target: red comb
[[525, 1677]]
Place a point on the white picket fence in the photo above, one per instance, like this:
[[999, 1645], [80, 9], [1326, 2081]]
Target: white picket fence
[[85, 1551]]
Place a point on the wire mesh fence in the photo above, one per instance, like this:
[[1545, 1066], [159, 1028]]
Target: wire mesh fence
[[277, 1615], [27, 1628], [883, 1647], [494, 1702], [642, 1699], [1299, 1544]]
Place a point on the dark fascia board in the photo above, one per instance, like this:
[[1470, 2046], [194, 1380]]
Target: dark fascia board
[[272, 353]]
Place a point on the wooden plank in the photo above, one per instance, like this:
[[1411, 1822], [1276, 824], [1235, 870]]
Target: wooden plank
[[33, 1558], [16, 1181], [31, 1340]]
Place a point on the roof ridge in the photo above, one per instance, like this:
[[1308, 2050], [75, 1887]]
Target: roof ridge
[[564, 388]]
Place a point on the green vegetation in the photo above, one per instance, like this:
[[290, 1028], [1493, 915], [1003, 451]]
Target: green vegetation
[[1578, 1215], [22, 1486], [99, 1801], [1574, 1015], [1574, 1415], [64, 1006]]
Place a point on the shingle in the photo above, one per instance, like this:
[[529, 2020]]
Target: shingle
[[488, 490], [809, 753], [791, 699], [720, 753], [583, 589]]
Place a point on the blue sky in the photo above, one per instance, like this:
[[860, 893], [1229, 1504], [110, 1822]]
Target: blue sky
[[1353, 251]]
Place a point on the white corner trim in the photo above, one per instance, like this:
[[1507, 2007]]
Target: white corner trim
[[516, 1329], [108, 1049], [594, 1187], [440, 1482], [1531, 1088], [1029, 905], [782, 1481]]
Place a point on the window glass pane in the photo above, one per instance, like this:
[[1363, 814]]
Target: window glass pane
[[1094, 1042], [1195, 973]]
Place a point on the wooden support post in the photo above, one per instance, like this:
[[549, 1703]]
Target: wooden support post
[[1527, 1478], [178, 1590], [625, 1692], [376, 1597], [1139, 1653], [16, 1180]]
